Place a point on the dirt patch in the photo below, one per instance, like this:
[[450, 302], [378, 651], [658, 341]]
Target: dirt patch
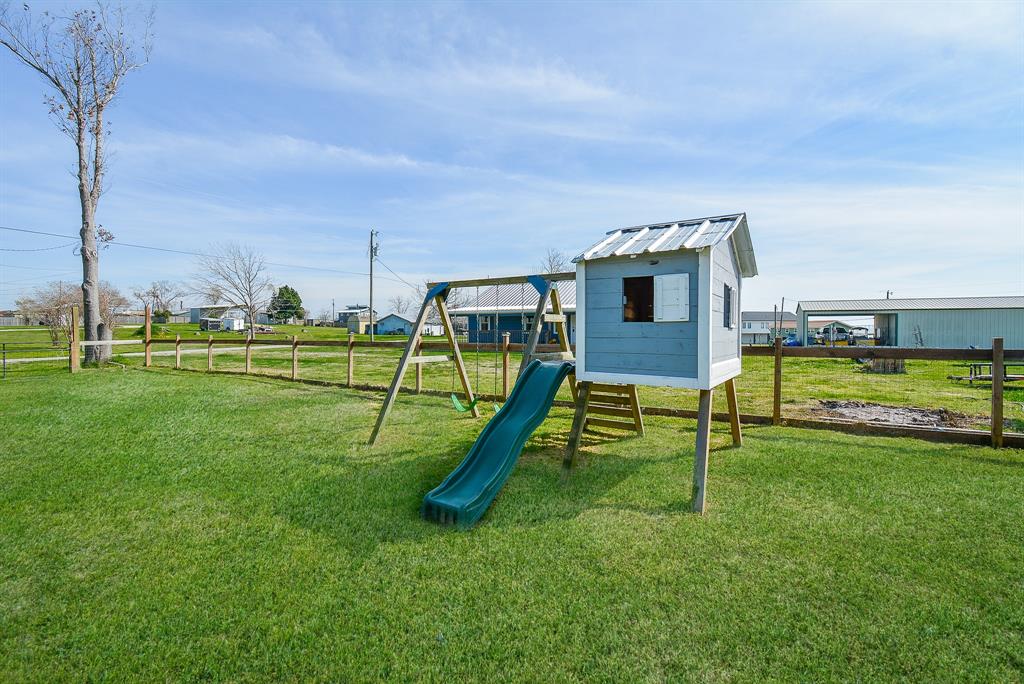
[[896, 415]]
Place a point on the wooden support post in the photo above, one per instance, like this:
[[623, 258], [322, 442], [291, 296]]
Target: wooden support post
[[74, 360], [998, 372], [538, 324], [505, 359], [177, 352], [579, 419], [295, 357], [419, 367], [634, 405], [777, 384], [700, 461], [209, 353], [149, 335], [734, 412], [437, 293], [248, 355], [351, 356], [460, 367]]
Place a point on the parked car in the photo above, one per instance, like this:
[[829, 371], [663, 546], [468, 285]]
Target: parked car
[[791, 341]]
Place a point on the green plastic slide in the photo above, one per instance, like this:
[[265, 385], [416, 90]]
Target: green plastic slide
[[464, 495]]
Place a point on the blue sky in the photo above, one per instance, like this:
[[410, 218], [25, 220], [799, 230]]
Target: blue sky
[[874, 146]]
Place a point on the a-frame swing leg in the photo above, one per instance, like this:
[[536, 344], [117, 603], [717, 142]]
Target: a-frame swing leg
[[579, 420], [544, 288], [734, 412], [460, 367], [700, 461], [403, 364], [562, 330]]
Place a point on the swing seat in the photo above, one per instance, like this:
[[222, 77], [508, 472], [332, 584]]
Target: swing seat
[[462, 408]]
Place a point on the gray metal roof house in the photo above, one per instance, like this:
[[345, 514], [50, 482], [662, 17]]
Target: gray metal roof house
[[939, 322], [659, 304]]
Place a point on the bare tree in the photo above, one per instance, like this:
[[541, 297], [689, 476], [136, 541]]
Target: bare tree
[[51, 304], [235, 275], [456, 298], [83, 57], [324, 317], [554, 261], [400, 304], [160, 294]]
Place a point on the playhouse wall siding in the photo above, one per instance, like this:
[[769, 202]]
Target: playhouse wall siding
[[725, 271], [666, 349]]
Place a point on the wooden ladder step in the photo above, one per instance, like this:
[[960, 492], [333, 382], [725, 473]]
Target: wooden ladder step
[[609, 411], [607, 399], [616, 424]]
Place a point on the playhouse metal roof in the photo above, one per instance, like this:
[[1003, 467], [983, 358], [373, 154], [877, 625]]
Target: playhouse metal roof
[[670, 236]]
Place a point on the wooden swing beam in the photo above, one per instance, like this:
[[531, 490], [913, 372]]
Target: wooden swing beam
[[506, 280]]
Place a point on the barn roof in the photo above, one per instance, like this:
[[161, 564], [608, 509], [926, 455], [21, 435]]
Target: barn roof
[[670, 236], [868, 306], [512, 298]]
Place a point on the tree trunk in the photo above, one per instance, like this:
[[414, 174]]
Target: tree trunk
[[90, 257]]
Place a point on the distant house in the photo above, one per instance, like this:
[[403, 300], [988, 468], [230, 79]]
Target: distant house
[[759, 327], [496, 310], [10, 317], [394, 324]]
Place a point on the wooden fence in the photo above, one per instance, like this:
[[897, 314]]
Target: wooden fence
[[996, 355]]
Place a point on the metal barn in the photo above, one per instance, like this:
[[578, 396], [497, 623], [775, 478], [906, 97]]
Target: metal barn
[[937, 322]]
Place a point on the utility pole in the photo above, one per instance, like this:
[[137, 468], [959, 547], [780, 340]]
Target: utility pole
[[333, 315], [374, 248]]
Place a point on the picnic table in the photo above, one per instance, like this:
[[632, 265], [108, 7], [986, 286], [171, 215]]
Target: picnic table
[[982, 371]]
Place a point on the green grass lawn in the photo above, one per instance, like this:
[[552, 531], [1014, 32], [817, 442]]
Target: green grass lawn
[[163, 525]]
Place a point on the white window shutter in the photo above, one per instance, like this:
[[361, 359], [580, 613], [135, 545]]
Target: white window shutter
[[684, 296], [672, 297]]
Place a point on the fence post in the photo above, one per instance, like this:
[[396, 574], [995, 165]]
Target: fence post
[[177, 352], [295, 357], [505, 337], [997, 391], [248, 355], [209, 353], [351, 354], [777, 384], [419, 367], [74, 361], [149, 335]]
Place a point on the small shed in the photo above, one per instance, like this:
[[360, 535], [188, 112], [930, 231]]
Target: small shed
[[393, 324], [210, 324], [233, 324], [659, 304]]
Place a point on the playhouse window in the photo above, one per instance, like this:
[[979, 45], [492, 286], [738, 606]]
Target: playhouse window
[[638, 299], [727, 307], [485, 324]]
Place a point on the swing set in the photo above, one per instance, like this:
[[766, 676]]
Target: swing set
[[437, 296]]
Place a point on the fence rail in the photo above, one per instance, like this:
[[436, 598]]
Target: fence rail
[[996, 355]]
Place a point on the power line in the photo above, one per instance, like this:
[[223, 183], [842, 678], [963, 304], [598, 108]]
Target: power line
[[197, 254], [37, 249], [395, 274]]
